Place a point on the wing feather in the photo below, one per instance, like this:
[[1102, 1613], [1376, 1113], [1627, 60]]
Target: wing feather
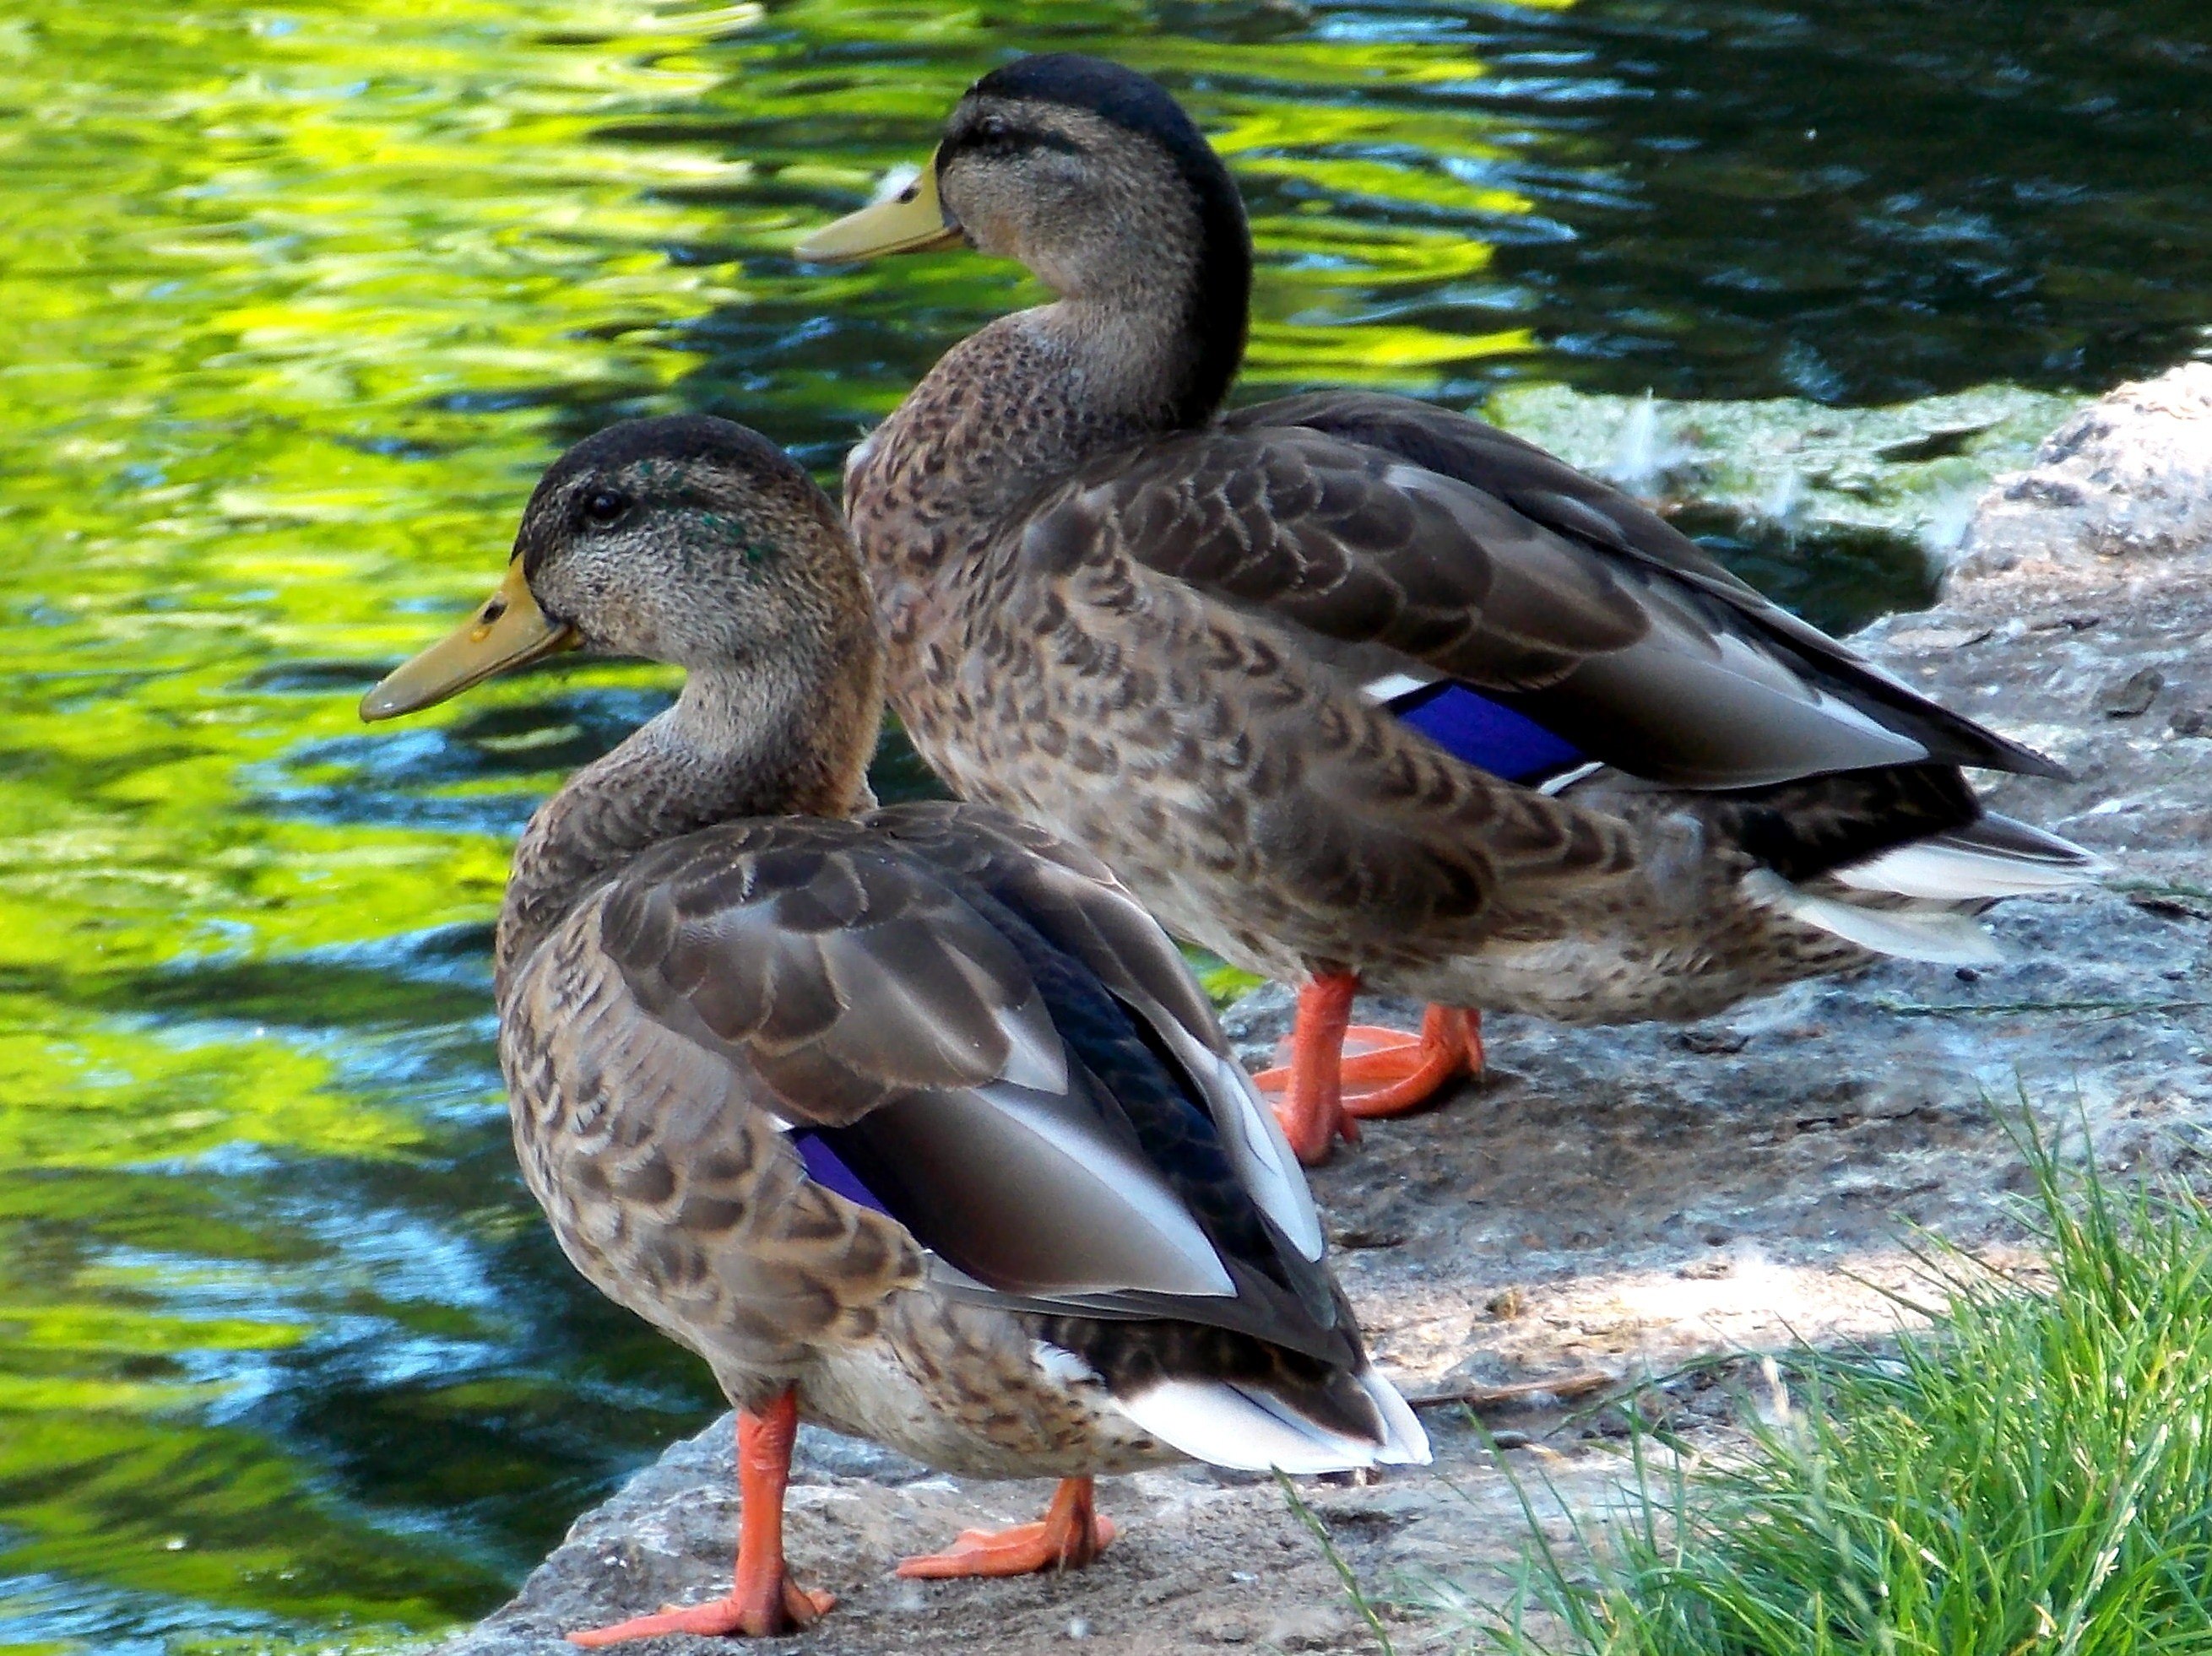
[[1397, 538], [1085, 910], [1004, 1049]]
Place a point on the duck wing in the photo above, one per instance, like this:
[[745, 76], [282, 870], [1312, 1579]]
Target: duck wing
[[1548, 492], [1414, 548], [1078, 906], [994, 1047]]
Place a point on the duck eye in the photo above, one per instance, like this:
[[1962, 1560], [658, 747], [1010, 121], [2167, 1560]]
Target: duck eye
[[996, 135], [602, 507]]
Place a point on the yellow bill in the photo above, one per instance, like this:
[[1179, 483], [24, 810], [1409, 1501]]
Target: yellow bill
[[911, 221], [509, 631]]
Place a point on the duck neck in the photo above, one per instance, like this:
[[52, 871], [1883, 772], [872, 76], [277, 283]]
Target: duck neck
[[1147, 344], [1155, 346], [738, 743]]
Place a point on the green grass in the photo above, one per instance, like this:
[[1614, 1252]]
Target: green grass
[[2029, 1474]]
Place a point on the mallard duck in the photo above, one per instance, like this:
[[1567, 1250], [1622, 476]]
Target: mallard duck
[[908, 1120], [1351, 689]]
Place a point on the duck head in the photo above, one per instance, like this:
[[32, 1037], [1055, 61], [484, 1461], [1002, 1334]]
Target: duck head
[[688, 540], [1093, 177]]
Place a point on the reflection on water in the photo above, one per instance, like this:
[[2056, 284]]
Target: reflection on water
[[301, 298]]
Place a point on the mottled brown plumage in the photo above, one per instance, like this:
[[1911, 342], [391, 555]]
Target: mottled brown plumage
[[1185, 638], [910, 1116]]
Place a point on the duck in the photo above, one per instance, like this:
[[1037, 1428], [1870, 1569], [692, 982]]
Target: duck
[[907, 1120], [1356, 691]]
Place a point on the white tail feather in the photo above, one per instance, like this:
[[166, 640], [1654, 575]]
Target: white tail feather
[[1404, 1444], [1944, 939], [1947, 870], [1225, 1425]]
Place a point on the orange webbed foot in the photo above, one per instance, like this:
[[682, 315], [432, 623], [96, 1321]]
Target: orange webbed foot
[[761, 1616], [1381, 1072], [762, 1602], [1069, 1536], [1024, 1549]]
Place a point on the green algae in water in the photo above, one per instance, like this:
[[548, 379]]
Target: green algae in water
[[293, 292]]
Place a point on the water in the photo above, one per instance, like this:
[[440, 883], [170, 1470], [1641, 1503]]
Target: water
[[300, 299]]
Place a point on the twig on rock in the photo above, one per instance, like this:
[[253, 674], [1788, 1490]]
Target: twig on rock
[[1564, 1387]]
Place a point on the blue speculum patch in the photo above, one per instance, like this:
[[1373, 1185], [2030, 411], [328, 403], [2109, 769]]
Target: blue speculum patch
[[825, 1167], [1474, 728]]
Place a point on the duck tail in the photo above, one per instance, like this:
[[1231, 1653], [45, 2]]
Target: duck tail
[[1920, 896], [1992, 855], [1405, 1443], [1259, 1409], [1947, 936], [1254, 1428]]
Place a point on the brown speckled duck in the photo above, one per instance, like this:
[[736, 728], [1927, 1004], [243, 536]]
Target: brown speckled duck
[[1349, 689], [909, 1121]]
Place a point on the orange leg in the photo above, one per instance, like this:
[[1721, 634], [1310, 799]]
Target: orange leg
[[1340, 1071], [1070, 1535], [1412, 1070], [1312, 1109], [763, 1604]]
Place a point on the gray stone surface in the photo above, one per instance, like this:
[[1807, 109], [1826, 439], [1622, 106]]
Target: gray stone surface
[[2127, 478], [1610, 1202]]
